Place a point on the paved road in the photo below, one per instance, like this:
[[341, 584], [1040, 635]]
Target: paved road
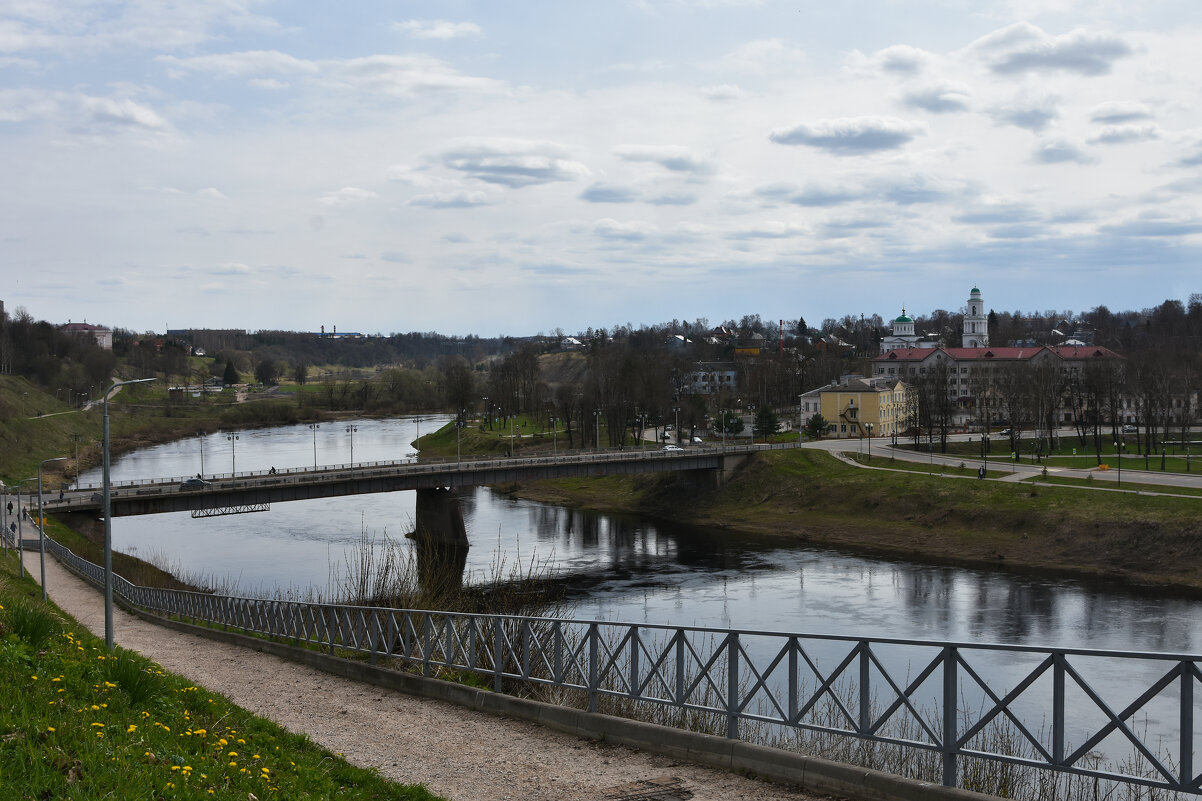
[[1133, 480]]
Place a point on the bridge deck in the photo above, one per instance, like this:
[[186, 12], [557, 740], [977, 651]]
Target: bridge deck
[[153, 496]]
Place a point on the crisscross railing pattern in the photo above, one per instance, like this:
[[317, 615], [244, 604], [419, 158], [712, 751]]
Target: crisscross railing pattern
[[1061, 706]]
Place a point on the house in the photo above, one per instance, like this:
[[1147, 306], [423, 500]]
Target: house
[[93, 334], [855, 406], [711, 378]]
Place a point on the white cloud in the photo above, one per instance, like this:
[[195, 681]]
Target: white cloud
[[723, 92], [1062, 151], [122, 113], [1023, 47], [632, 231], [850, 136], [460, 199], [762, 56], [670, 157], [347, 195], [1118, 112], [939, 98], [438, 29], [512, 163], [1124, 134], [903, 59]]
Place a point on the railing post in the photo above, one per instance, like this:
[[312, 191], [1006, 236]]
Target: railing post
[[557, 656], [950, 736], [732, 685], [1187, 722], [680, 667], [1058, 662], [865, 689], [594, 666], [794, 691], [634, 662], [427, 643], [498, 657]]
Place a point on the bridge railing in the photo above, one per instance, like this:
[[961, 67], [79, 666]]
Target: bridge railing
[[436, 465], [951, 709]]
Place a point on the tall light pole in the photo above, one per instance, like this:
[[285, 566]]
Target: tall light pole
[[554, 434], [108, 519], [351, 430], [313, 427], [42, 522], [869, 427], [233, 440], [458, 432], [1118, 452], [200, 441], [21, 526], [597, 419], [76, 438], [488, 407], [676, 409]]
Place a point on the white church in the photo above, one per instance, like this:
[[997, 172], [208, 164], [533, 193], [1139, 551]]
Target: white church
[[975, 333]]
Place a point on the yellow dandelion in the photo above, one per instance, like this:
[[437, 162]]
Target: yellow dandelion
[[175, 767], [95, 708], [132, 728], [101, 725], [50, 728], [233, 764], [265, 770], [35, 678], [232, 753], [255, 756], [56, 679]]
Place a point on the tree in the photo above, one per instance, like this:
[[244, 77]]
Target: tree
[[301, 373], [765, 423], [266, 372], [817, 426], [731, 423], [231, 374]]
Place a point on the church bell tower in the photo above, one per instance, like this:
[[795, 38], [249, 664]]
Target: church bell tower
[[976, 322]]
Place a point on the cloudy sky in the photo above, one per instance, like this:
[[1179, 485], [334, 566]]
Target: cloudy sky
[[509, 168]]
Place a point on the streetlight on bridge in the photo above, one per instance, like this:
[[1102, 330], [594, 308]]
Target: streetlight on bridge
[[351, 430], [233, 440], [313, 427], [108, 518]]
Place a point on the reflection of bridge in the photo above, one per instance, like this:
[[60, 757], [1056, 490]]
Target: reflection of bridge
[[436, 508]]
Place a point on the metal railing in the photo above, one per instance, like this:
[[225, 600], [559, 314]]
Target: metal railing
[[1119, 716]]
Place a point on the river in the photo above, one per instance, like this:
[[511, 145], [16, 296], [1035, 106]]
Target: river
[[623, 568]]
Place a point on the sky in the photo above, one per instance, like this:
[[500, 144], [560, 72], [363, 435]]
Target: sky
[[521, 167]]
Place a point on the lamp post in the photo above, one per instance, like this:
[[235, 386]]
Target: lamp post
[[233, 440], [869, 427], [313, 427], [642, 426], [458, 431], [200, 442], [676, 411], [985, 450], [42, 522], [21, 526], [597, 419], [488, 406], [108, 519], [554, 436], [1118, 452], [351, 430], [77, 438]]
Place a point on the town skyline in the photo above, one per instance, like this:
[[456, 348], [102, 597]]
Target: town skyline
[[465, 168]]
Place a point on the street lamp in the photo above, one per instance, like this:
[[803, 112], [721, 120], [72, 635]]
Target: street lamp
[[77, 438], [985, 450], [554, 436], [597, 418], [21, 526], [869, 427], [200, 442], [1118, 452], [351, 430], [676, 409], [458, 430], [42, 522], [488, 406], [108, 518], [233, 440], [313, 427]]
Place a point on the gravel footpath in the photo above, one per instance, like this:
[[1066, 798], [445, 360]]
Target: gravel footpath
[[455, 752]]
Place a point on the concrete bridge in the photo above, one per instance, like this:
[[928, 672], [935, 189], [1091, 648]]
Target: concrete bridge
[[437, 510]]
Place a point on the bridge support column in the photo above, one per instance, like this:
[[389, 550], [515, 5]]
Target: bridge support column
[[440, 538]]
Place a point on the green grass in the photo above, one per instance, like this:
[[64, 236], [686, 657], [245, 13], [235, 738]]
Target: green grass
[[83, 724], [923, 467]]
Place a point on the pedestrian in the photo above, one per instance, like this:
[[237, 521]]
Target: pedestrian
[[981, 471], [10, 507]]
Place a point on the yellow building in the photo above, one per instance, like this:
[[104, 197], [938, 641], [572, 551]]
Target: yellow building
[[859, 407]]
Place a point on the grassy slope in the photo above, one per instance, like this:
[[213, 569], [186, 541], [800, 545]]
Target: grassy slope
[[806, 495], [79, 723]]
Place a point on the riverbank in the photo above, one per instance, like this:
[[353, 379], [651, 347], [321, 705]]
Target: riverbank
[[806, 495]]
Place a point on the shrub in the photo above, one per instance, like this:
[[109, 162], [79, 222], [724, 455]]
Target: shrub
[[32, 623]]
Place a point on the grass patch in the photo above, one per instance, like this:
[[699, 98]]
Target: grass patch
[[79, 723]]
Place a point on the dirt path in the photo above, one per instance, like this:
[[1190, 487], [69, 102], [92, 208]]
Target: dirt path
[[458, 753]]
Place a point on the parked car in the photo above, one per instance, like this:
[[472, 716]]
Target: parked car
[[673, 448], [1005, 432], [1130, 429], [194, 483], [696, 440]]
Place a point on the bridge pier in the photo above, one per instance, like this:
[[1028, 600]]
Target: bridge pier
[[440, 539]]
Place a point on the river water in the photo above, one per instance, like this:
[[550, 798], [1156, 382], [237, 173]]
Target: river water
[[625, 568]]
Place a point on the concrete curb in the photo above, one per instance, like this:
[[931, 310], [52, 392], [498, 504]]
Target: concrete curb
[[772, 764]]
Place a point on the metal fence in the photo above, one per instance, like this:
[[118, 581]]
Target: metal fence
[[1112, 715]]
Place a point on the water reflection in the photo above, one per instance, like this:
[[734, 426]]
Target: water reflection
[[628, 568]]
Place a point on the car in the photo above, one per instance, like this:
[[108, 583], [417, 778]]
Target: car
[[673, 448], [1129, 429], [696, 440], [1005, 432], [194, 483], [665, 436]]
